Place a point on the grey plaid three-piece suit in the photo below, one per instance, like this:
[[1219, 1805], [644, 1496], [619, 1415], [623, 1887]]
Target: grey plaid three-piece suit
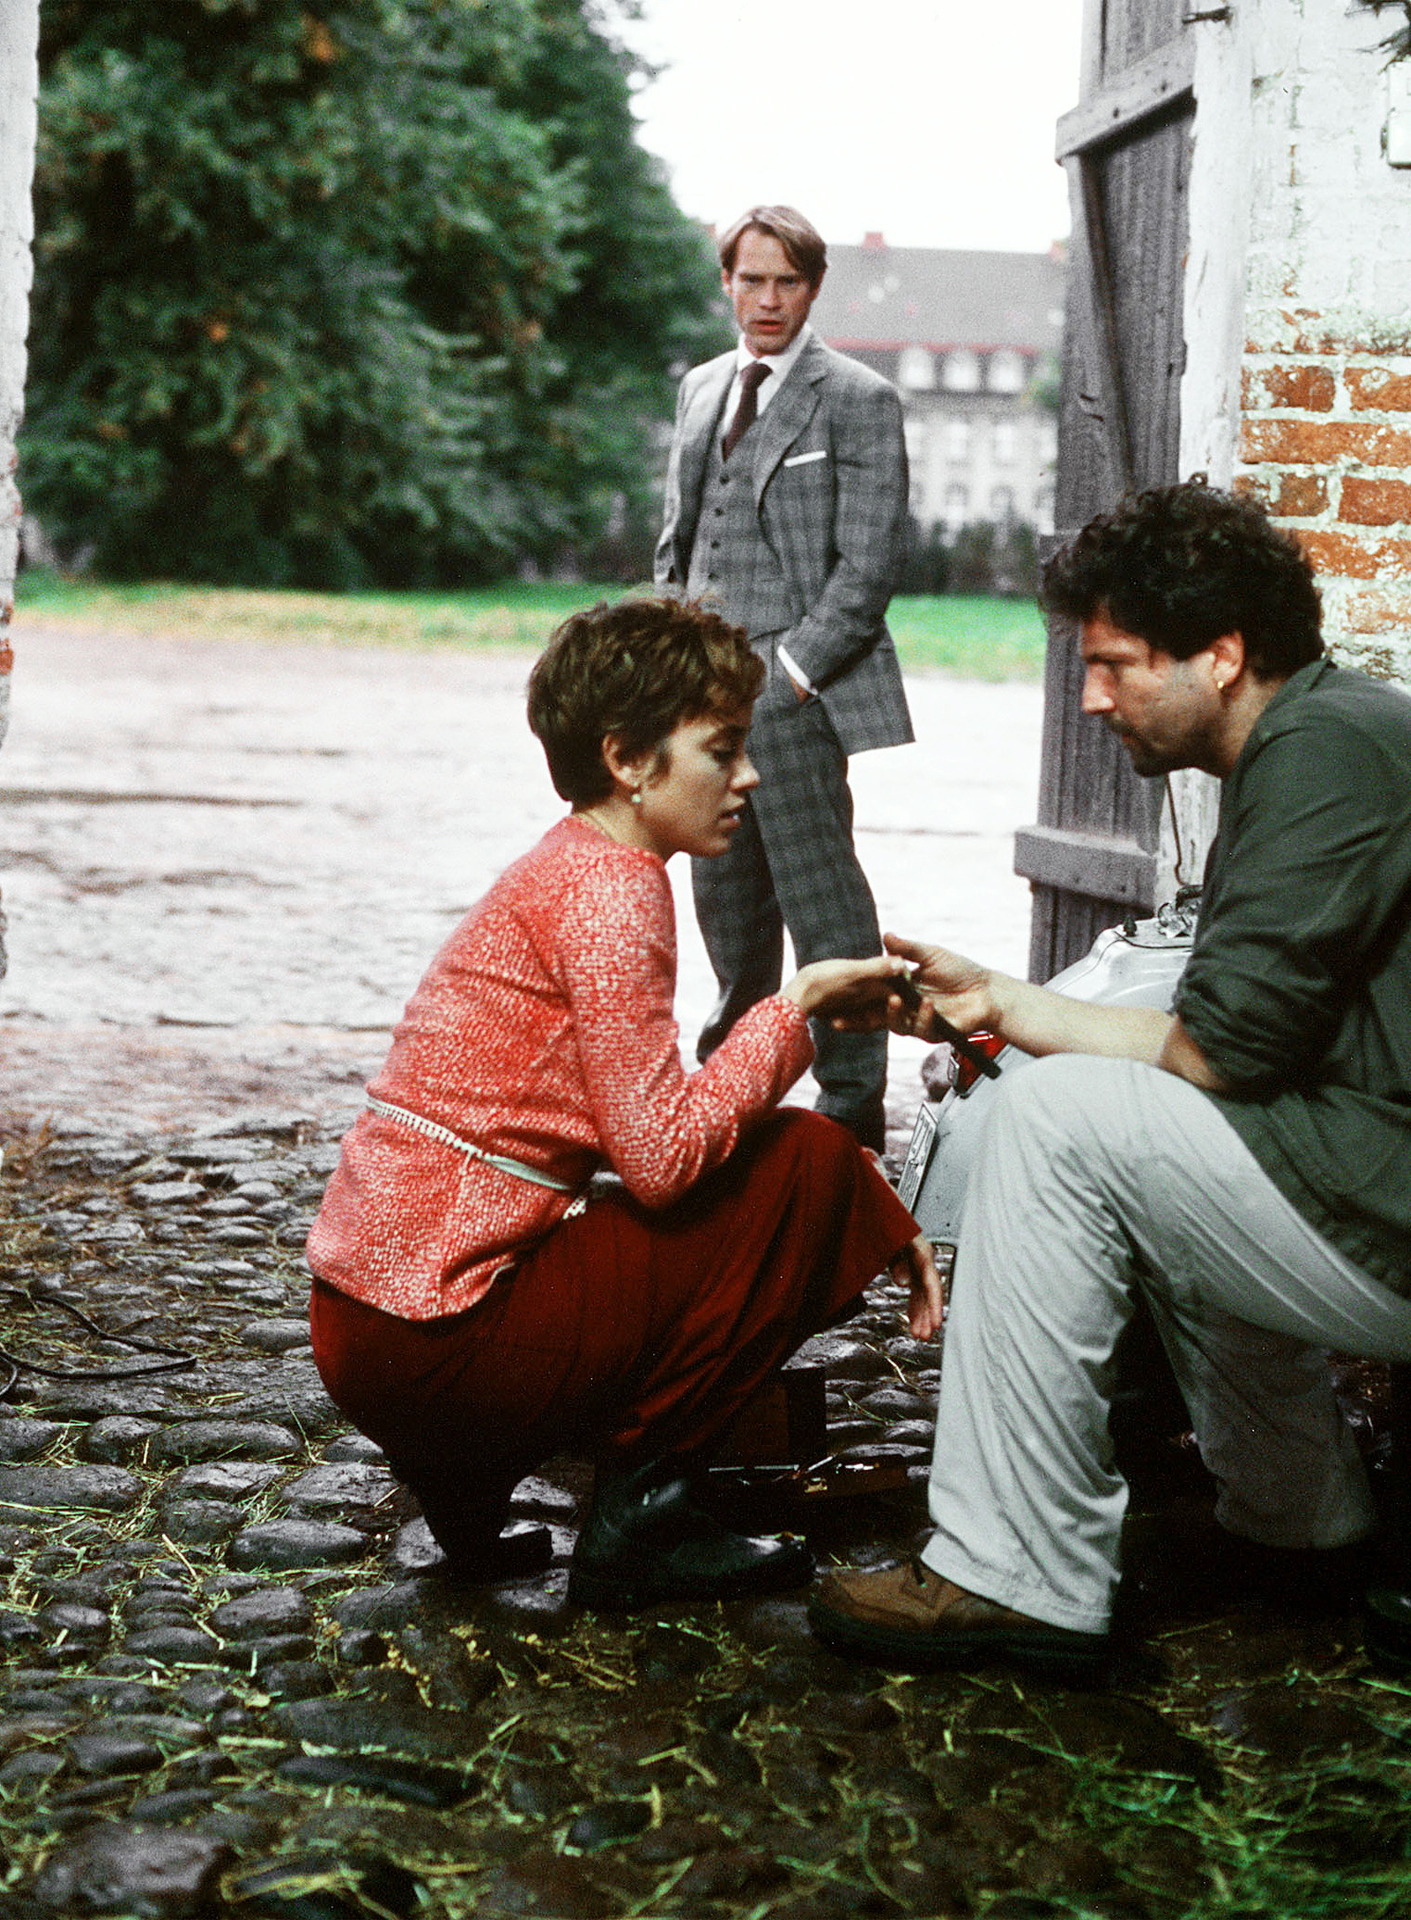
[[798, 538]]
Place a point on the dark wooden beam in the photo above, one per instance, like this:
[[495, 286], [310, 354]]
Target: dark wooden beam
[[1098, 865], [1164, 77]]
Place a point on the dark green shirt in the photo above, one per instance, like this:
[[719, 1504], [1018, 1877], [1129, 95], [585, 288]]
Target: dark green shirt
[[1298, 990]]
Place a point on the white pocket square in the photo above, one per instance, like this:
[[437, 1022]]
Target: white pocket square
[[802, 459]]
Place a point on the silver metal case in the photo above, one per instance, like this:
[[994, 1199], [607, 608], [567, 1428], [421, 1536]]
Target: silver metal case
[[1138, 965]]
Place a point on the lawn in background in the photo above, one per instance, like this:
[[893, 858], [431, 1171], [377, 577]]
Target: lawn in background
[[969, 637]]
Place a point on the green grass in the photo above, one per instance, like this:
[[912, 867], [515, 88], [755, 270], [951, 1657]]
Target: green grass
[[968, 637]]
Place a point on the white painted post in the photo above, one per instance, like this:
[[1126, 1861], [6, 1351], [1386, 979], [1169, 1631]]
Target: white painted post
[[19, 86], [1298, 369]]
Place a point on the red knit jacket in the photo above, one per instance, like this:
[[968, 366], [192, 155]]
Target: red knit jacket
[[543, 1031]]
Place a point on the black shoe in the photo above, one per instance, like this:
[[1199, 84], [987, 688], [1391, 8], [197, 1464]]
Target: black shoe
[[483, 1547], [518, 1553], [1307, 1583], [645, 1542]]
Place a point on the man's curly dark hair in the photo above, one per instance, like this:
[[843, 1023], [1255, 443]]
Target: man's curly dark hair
[[1178, 566]]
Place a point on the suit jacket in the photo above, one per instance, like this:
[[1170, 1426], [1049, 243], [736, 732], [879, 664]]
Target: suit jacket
[[828, 470]]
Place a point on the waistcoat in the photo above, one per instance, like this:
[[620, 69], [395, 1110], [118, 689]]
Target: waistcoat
[[732, 566]]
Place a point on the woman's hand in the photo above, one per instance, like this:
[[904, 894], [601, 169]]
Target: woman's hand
[[916, 1264], [850, 993]]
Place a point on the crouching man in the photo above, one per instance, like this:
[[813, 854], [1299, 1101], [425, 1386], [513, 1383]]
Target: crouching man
[[1245, 1162]]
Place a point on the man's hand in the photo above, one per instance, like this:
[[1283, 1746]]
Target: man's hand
[[960, 990], [1032, 1018], [916, 1264]]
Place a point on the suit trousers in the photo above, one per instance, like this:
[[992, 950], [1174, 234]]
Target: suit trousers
[[792, 864], [1096, 1177]]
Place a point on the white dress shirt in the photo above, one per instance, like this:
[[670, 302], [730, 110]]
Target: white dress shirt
[[780, 365]]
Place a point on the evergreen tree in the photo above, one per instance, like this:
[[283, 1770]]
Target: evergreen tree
[[383, 293]]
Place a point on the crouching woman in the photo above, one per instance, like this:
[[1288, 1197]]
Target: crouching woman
[[475, 1310]]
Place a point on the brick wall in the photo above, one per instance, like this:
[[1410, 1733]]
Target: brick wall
[[1323, 346], [1326, 442]]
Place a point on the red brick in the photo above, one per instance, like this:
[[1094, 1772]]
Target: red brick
[[1252, 486], [1313, 335], [1300, 494], [1376, 387], [1385, 610], [1374, 503], [1318, 443], [1313, 389], [7, 657], [1354, 559], [1295, 330], [1378, 663]]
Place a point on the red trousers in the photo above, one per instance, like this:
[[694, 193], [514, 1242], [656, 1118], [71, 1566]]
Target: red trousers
[[626, 1333]]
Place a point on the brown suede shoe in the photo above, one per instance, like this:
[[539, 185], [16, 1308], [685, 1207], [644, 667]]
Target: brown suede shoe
[[910, 1617]]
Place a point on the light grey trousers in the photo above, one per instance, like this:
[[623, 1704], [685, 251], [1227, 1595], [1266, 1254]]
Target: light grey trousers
[[1095, 1177]]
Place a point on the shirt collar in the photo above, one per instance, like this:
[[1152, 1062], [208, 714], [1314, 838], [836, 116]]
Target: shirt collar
[[781, 365]]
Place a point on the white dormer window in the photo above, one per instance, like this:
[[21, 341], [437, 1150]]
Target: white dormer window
[[1006, 372], [916, 370], [962, 371]]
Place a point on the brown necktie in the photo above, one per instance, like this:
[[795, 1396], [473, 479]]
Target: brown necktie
[[751, 380]]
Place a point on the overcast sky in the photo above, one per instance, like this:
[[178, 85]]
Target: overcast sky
[[930, 121]]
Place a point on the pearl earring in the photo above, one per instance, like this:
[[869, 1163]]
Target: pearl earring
[[636, 796]]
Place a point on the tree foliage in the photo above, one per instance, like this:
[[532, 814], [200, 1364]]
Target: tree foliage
[[983, 556], [385, 291]]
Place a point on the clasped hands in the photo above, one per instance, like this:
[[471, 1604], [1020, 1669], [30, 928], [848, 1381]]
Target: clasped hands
[[864, 996]]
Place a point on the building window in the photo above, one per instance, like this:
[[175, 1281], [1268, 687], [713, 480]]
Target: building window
[[1043, 510], [1006, 443], [962, 371], [1006, 372], [957, 441], [957, 508], [916, 370], [1002, 503]]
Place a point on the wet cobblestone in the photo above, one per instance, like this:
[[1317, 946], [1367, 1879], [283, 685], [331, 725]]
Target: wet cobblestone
[[232, 1680]]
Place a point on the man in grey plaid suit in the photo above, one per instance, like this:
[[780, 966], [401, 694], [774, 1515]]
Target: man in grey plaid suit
[[786, 501]]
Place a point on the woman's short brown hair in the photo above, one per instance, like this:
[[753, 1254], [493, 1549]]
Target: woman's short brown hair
[[803, 244], [634, 670]]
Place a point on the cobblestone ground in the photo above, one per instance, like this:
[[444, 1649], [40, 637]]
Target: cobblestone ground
[[225, 864], [232, 1680]]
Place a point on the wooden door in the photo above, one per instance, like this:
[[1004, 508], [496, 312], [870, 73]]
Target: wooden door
[[1091, 858]]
